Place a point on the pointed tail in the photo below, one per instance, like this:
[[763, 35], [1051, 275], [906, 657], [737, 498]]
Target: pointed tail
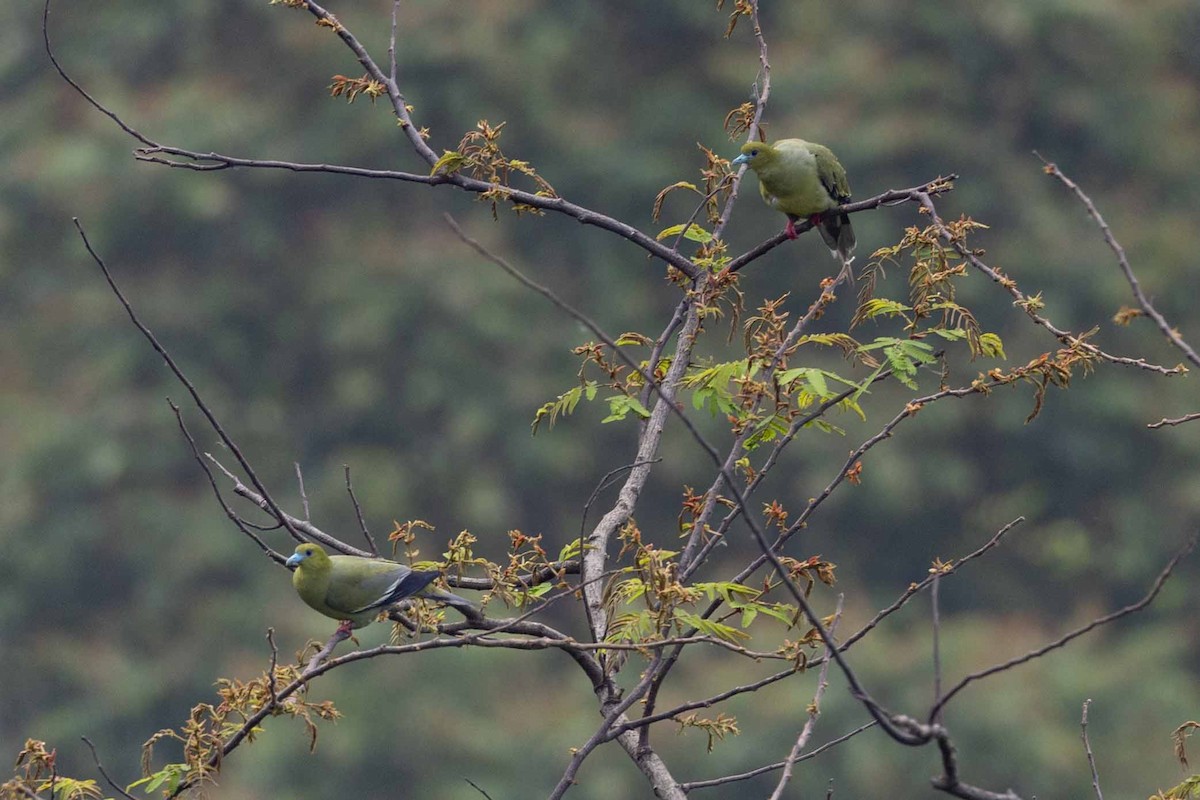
[[839, 237]]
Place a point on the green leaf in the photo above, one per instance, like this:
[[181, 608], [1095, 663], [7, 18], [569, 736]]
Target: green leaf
[[571, 549], [619, 406], [451, 161], [882, 307], [694, 233], [770, 429], [709, 627], [991, 346], [563, 405]]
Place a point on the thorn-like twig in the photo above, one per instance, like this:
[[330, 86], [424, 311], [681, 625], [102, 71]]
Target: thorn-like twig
[[362, 523], [234, 517], [1123, 262], [937, 651], [1080, 631], [1176, 421], [754, 773], [477, 788], [204, 409], [1087, 746], [100, 768], [814, 710], [271, 683], [340, 635], [303, 495]]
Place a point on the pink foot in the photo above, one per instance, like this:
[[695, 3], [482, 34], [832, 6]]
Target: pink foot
[[815, 219], [790, 230], [343, 629]]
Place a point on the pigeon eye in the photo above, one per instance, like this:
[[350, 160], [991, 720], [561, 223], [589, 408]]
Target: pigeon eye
[[753, 152], [308, 552]]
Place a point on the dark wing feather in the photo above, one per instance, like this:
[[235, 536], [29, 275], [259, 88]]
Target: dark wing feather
[[405, 583]]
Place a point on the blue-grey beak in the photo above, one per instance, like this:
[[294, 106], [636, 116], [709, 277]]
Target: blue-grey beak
[[293, 560], [744, 158]]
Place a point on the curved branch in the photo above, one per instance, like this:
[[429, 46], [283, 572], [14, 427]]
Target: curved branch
[[269, 502], [890, 197], [1075, 634], [1065, 337], [1123, 262]]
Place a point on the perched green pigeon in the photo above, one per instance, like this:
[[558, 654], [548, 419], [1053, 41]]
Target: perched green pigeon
[[355, 589], [804, 180]]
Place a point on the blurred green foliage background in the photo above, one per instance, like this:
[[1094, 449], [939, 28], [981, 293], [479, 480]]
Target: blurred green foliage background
[[335, 321]]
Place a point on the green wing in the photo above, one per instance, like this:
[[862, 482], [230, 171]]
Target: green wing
[[359, 585], [831, 173]]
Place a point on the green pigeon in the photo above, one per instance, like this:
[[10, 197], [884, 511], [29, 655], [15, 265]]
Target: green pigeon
[[355, 589], [804, 180]]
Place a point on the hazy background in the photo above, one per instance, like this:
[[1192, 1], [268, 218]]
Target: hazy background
[[335, 321]]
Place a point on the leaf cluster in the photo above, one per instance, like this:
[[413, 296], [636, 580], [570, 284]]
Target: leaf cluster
[[480, 156]]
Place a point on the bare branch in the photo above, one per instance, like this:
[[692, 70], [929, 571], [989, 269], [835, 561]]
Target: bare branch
[[241, 524], [204, 409], [476, 787], [100, 768], [937, 650], [1075, 634], [814, 709], [890, 197], [272, 685], [1065, 337], [340, 635], [1179, 421], [82, 93], [392, 45], [928, 581], [754, 773], [309, 530], [303, 496], [362, 523], [1143, 301], [1087, 746]]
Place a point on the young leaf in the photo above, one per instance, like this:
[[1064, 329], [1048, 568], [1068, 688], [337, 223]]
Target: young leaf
[[694, 233]]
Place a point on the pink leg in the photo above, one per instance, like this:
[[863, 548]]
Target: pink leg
[[343, 629], [790, 230], [815, 219]]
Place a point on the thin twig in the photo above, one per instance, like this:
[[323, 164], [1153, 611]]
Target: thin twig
[[900, 602], [814, 709], [1087, 746], [303, 495], [309, 530], [392, 44], [754, 773], [340, 635], [1067, 338], [1177, 421], [362, 523], [477, 788], [100, 768], [233, 516], [1080, 631], [603, 484], [937, 633], [928, 581], [204, 409], [271, 677], [888, 198], [1143, 301]]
